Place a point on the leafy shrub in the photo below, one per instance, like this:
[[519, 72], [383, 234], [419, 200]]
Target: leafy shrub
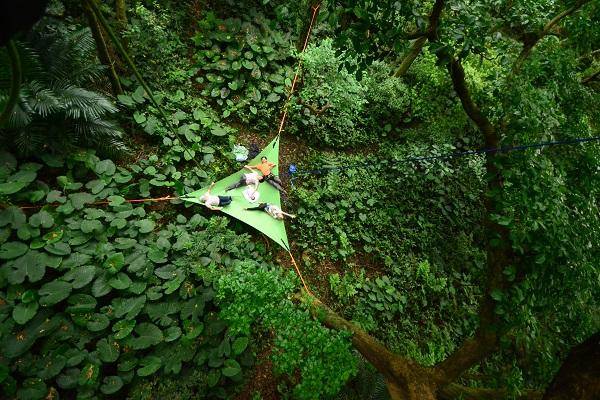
[[384, 208], [255, 297], [192, 122], [329, 107], [92, 297], [155, 30], [245, 66], [59, 107]]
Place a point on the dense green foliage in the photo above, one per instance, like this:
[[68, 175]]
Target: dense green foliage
[[93, 297], [59, 105], [104, 298]]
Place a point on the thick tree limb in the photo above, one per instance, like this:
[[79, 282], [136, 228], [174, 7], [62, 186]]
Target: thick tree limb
[[459, 392], [498, 248], [588, 79], [409, 58], [579, 375], [314, 109], [103, 53], [15, 81], [405, 379], [532, 39], [417, 45]]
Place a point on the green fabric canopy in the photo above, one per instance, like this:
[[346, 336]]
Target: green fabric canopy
[[260, 220]]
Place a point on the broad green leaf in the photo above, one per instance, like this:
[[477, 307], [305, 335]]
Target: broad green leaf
[[12, 187], [97, 322], [218, 131], [239, 345], [13, 216], [108, 350], [150, 364], [31, 265], [22, 313], [10, 250], [146, 225], [55, 196], [100, 287], [172, 333], [128, 307], [125, 100], [42, 218], [120, 281], [119, 223], [231, 368], [88, 375], [147, 335], [115, 200], [273, 97], [26, 232], [81, 304], [114, 263], [105, 167], [79, 200], [80, 276], [111, 384], [32, 389], [89, 226], [59, 249], [123, 328], [54, 292]]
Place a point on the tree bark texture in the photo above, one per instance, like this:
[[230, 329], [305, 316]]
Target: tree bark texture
[[417, 45], [533, 39], [102, 49], [579, 375]]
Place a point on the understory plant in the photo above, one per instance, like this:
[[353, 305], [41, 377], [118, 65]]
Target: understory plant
[[245, 66], [60, 105], [97, 292]]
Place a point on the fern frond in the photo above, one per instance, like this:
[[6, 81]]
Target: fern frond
[[42, 100], [85, 104]]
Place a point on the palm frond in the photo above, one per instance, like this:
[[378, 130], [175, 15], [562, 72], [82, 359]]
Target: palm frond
[[42, 100], [80, 103]]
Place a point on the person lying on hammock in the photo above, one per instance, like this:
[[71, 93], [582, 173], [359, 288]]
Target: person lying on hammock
[[251, 179], [272, 210], [265, 167], [214, 202]]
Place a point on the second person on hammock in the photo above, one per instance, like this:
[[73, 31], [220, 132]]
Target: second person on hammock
[[265, 167]]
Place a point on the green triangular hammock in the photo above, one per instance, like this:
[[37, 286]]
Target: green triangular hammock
[[260, 220]]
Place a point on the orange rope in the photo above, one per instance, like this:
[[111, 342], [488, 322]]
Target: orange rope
[[299, 273], [315, 10], [165, 198], [285, 107]]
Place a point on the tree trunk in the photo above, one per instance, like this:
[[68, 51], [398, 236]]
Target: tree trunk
[[405, 379], [102, 49], [417, 45], [415, 50], [15, 81], [460, 392], [121, 14], [579, 376]]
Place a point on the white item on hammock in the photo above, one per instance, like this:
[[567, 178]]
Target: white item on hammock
[[251, 195]]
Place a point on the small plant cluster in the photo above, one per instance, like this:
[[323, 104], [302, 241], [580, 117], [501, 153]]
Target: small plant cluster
[[245, 64], [92, 297], [193, 132], [385, 207], [402, 307], [334, 108], [317, 361]]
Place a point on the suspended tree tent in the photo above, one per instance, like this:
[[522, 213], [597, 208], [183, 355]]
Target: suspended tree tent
[[260, 220]]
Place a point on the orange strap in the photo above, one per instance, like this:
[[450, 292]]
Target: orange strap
[[299, 273], [165, 198], [285, 107]]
